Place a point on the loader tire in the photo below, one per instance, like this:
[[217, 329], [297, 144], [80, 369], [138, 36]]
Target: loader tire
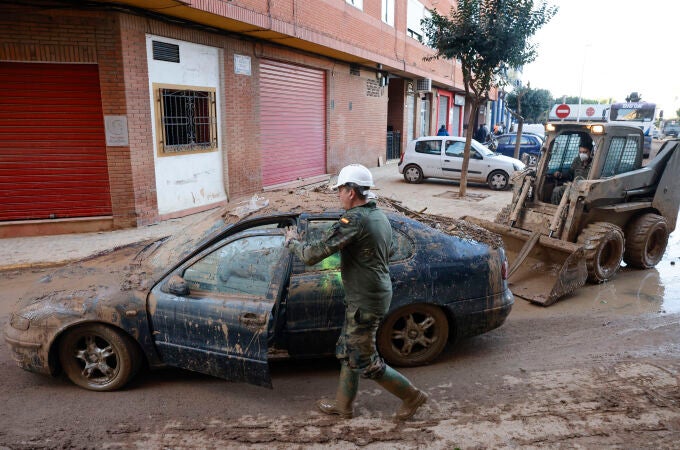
[[603, 246], [646, 240]]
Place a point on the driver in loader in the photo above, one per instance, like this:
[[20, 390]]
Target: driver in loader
[[579, 169]]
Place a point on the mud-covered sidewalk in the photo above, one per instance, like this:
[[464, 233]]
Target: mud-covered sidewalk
[[433, 196]]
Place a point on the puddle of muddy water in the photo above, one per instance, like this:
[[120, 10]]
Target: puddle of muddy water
[[669, 274], [631, 291]]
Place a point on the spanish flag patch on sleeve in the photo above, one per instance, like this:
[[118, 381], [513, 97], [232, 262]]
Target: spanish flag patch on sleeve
[[344, 220]]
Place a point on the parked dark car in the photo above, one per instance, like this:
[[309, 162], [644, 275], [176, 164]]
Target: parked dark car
[[529, 150], [223, 299]]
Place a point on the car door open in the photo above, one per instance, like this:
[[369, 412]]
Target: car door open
[[212, 314]]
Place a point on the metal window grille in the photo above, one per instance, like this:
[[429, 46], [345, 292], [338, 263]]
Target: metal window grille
[[621, 157], [565, 149], [393, 145], [188, 120]]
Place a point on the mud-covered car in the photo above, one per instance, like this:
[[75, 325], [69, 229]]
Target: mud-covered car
[[223, 299]]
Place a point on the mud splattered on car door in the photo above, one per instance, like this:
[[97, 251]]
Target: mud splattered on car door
[[212, 314]]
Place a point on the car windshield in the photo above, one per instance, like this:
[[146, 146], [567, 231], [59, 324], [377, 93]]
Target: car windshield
[[482, 150]]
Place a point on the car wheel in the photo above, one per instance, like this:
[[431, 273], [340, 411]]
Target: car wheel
[[603, 245], [646, 241], [498, 180], [413, 335], [413, 174], [98, 358]]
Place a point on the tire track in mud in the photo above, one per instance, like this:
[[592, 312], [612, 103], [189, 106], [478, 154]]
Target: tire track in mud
[[634, 404]]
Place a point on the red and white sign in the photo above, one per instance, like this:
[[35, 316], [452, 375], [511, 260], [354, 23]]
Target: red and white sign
[[590, 112], [562, 111]]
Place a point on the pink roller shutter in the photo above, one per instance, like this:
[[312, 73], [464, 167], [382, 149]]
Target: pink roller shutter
[[292, 121]]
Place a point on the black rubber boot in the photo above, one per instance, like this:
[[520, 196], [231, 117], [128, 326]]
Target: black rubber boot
[[397, 384], [347, 391]]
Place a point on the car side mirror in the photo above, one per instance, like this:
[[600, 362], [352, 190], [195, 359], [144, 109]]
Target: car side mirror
[[176, 285]]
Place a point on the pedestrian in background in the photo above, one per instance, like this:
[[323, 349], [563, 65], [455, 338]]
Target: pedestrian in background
[[442, 131], [363, 236]]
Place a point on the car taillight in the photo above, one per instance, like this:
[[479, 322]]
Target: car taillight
[[504, 270]]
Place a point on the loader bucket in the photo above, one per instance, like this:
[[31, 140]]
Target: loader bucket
[[543, 269]]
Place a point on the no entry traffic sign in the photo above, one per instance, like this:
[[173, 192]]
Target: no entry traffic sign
[[562, 111]]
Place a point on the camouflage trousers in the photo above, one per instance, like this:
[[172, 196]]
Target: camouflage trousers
[[356, 344]]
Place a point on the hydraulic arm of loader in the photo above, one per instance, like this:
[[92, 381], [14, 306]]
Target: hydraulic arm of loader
[[542, 268]]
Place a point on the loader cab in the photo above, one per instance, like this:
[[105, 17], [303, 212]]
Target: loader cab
[[616, 149], [563, 149]]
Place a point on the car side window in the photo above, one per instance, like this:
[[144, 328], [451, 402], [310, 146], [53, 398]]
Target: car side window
[[526, 141], [432, 147], [315, 231], [401, 244], [243, 266], [455, 148]]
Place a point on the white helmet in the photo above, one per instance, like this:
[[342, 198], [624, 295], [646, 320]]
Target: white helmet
[[355, 173]]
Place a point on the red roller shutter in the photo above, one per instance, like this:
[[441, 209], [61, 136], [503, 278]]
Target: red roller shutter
[[52, 142], [293, 122]]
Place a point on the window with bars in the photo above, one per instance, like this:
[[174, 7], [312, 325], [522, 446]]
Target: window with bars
[[622, 156], [187, 120], [565, 149]]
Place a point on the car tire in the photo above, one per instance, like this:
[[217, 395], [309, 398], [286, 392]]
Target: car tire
[[413, 335], [413, 174], [603, 245], [498, 180], [646, 241], [97, 357]]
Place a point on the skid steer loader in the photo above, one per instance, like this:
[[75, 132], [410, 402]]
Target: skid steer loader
[[621, 211]]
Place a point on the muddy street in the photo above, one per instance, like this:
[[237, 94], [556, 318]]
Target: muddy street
[[598, 368]]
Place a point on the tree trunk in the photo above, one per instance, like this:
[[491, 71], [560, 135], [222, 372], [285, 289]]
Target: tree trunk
[[518, 138], [462, 192]]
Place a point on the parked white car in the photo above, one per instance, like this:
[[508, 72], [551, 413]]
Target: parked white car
[[442, 157]]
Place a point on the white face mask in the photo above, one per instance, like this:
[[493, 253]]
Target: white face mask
[[583, 156]]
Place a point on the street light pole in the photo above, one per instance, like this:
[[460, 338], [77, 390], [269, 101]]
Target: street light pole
[[580, 92]]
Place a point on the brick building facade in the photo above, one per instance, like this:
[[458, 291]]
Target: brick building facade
[[346, 77]]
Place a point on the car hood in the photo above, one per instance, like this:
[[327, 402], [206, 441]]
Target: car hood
[[109, 277]]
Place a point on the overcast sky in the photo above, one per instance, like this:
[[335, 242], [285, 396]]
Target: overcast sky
[[610, 48]]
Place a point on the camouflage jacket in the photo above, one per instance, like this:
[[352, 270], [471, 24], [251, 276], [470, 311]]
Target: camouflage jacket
[[579, 168], [363, 236]]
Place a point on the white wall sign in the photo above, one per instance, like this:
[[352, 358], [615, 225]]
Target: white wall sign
[[116, 131], [242, 65]]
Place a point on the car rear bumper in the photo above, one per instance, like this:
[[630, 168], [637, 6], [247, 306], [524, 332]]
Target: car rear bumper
[[477, 316]]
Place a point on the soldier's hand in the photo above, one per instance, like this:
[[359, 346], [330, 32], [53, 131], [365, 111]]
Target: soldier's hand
[[290, 234]]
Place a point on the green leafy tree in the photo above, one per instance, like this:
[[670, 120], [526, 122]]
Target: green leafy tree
[[573, 100], [535, 104], [487, 37]]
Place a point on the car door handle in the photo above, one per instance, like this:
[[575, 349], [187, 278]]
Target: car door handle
[[253, 319], [447, 160]]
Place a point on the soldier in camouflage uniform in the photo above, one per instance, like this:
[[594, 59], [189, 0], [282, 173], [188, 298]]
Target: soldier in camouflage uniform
[[363, 236]]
